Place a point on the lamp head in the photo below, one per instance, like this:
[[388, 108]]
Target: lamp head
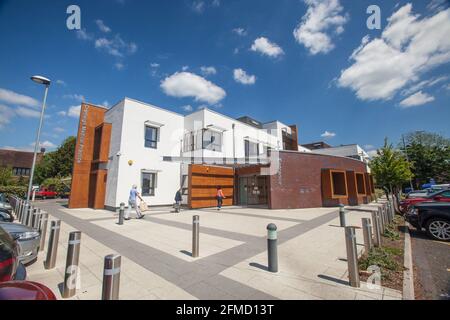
[[41, 80]]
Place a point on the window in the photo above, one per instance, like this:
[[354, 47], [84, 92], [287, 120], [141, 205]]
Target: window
[[251, 149], [151, 137], [212, 140], [21, 171], [339, 184], [360, 183], [148, 183]]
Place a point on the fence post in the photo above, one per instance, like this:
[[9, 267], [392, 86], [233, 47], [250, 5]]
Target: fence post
[[352, 256], [43, 230], [367, 232], [376, 229], [52, 244], [111, 277], [71, 271]]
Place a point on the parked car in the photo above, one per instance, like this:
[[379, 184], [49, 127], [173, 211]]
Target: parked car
[[10, 266], [6, 216], [65, 193], [434, 217], [440, 196], [45, 193], [28, 240], [417, 194], [4, 203], [25, 290]]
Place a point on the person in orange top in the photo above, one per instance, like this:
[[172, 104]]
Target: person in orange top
[[220, 197]]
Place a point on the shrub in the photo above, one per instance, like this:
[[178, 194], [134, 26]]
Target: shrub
[[19, 191]]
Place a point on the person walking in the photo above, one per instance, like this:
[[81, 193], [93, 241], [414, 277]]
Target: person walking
[[178, 199], [220, 196], [132, 203]]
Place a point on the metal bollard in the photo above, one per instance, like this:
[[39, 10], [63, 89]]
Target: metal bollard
[[36, 219], [380, 219], [342, 215], [19, 211], [367, 232], [73, 257], [272, 252], [121, 213], [111, 277], [43, 230], [376, 230], [32, 212], [195, 236], [52, 244], [352, 256], [24, 218]]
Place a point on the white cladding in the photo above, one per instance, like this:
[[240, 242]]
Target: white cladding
[[129, 158]]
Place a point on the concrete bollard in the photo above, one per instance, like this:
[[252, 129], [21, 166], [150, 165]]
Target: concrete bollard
[[32, 212], [367, 232], [73, 257], [381, 220], [43, 230], [25, 210], [376, 229], [342, 215], [111, 277], [36, 218], [195, 236], [19, 211], [121, 213], [272, 251], [352, 256], [52, 244]]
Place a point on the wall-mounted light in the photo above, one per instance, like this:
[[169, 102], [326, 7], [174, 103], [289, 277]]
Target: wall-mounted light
[[130, 162]]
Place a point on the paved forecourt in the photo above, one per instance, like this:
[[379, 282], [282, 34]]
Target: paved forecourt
[[157, 261]]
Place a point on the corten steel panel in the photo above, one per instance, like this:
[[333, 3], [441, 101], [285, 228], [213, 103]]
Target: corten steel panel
[[368, 188], [91, 116], [354, 198], [298, 183], [203, 182]]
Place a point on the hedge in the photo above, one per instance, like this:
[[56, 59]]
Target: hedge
[[19, 191]]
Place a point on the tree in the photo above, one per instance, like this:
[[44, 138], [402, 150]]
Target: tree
[[57, 164], [5, 176], [429, 154], [390, 168]]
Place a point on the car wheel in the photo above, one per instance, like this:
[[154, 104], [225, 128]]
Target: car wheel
[[438, 229]]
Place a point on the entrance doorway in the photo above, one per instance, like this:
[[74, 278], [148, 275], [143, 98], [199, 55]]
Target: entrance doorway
[[253, 190]]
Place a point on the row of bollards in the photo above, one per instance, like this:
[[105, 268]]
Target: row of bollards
[[372, 232], [38, 219]]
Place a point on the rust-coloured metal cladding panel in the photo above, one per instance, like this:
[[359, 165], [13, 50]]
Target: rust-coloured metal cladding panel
[[91, 117], [302, 177]]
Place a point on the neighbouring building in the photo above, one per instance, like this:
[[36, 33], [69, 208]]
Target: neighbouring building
[[20, 162], [162, 151]]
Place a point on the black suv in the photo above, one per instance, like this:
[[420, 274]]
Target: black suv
[[10, 267], [434, 217]]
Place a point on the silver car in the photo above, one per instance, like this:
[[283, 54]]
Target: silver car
[[4, 204], [27, 238]]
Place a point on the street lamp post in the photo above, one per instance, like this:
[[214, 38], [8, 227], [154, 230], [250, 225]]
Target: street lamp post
[[46, 82]]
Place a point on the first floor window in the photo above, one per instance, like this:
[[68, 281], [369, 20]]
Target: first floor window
[[251, 149], [148, 183], [151, 137], [212, 140]]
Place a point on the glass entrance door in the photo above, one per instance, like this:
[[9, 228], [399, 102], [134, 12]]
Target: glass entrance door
[[253, 190]]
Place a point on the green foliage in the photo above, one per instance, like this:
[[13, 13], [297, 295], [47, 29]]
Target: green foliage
[[57, 164], [429, 154], [390, 168], [56, 184], [383, 258], [19, 191], [6, 177], [391, 233]]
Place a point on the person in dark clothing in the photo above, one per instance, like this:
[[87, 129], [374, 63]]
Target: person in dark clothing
[[178, 199]]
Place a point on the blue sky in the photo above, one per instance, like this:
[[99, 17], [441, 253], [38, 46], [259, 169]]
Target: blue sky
[[311, 63]]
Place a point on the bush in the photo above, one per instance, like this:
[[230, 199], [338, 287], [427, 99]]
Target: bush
[[19, 191], [55, 184]]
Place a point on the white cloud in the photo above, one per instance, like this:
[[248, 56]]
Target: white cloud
[[186, 84], [372, 153], [154, 65], [369, 147], [198, 6], [264, 46], [61, 83], [105, 103], [416, 99], [74, 111], [328, 134], [6, 114], [12, 97], [59, 129], [216, 3], [44, 144], [184, 68], [408, 47], [423, 84], [187, 108], [116, 46], [27, 113], [102, 26], [78, 97], [62, 113], [119, 66], [240, 31], [242, 77], [206, 71], [321, 18]]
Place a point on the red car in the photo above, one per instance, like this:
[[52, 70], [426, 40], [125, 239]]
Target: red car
[[45, 193], [440, 196]]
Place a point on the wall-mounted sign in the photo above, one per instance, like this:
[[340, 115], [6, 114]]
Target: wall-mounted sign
[[84, 114]]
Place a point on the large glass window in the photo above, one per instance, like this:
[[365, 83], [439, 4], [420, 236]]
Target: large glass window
[[251, 149], [151, 137], [212, 140], [148, 183]]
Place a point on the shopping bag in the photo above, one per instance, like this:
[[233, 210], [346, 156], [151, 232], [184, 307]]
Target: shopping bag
[[143, 206]]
